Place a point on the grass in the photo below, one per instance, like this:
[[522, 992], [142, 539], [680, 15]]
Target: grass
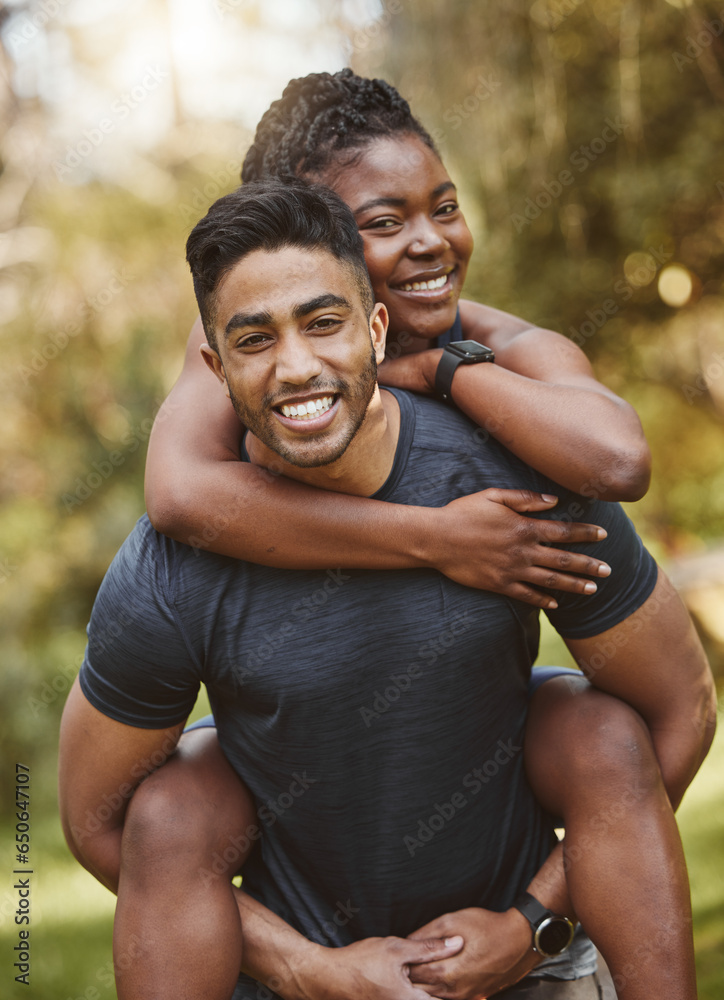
[[701, 820]]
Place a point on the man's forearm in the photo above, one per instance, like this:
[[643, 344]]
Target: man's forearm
[[273, 952]]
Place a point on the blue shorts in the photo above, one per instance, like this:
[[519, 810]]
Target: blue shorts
[[538, 676]]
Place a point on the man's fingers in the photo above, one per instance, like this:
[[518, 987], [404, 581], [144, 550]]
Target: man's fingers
[[431, 976], [431, 949]]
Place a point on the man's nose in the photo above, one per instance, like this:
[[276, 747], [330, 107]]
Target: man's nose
[[297, 361]]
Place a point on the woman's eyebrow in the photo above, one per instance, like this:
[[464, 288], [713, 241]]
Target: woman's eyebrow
[[442, 188], [401, 202], [376, 202]]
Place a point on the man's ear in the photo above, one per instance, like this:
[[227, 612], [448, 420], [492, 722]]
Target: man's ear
[[379, 320], [212, 359]]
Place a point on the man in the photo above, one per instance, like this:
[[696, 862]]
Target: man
[[380, 716]]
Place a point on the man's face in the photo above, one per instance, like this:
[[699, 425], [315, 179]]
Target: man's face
[[297, 352]]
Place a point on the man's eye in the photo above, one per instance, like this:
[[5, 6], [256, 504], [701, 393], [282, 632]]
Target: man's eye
[[448, 209], [325, 323], [253, 340]]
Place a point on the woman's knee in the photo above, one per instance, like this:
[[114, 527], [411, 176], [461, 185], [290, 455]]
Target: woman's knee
[[192, 806], [583, 742]]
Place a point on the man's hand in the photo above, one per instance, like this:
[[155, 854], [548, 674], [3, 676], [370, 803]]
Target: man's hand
[[497, 953], [514, 552], [373, 969]]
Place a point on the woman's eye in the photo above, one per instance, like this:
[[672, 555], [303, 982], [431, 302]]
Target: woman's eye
[[382, 224], [448, 208]]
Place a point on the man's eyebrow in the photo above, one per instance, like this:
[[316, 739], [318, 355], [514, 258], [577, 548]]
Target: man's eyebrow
[[401, 202], [264, 318], [324, 301], [239, 320]]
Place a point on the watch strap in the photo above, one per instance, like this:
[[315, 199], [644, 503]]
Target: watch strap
[[532, 909], [447, 366]]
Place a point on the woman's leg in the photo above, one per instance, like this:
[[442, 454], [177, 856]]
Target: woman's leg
[[189, 827], [590, 760]]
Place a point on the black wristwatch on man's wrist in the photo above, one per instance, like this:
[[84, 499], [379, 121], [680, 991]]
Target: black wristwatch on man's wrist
[[459, 352], [552, 933]]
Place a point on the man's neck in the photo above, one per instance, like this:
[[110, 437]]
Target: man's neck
[[366, 463]]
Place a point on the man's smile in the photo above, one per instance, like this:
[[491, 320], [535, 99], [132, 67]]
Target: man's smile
[[315, 413]]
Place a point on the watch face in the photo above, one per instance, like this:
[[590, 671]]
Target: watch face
[[470, 349], [553, 936]]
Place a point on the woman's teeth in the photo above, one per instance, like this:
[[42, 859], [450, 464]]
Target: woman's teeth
[[312, 408], [425, 286]]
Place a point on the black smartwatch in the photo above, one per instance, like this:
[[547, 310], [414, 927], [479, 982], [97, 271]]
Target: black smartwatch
[[460, 352], [552, 934]]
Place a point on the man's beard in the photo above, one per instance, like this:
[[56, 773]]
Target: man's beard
[[357, 396]]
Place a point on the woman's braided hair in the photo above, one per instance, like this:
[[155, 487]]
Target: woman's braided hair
[[321, 114]]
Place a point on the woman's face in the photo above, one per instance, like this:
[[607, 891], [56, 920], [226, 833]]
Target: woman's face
[[417, 244]]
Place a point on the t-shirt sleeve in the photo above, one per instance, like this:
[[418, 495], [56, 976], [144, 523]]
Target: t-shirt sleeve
[[139, 668], [633, 572]]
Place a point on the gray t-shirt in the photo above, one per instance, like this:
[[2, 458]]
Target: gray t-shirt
[[377, 717]]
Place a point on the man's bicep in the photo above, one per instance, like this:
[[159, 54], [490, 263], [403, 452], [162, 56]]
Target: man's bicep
[[101, 762]]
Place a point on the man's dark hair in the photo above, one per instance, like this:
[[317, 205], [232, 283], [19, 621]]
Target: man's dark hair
[[270, 215], [322, 114]]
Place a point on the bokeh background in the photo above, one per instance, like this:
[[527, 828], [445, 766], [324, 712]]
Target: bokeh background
[[587, 139]]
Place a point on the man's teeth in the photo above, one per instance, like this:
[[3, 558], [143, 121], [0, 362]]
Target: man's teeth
[[426, 286], [312, 408]]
